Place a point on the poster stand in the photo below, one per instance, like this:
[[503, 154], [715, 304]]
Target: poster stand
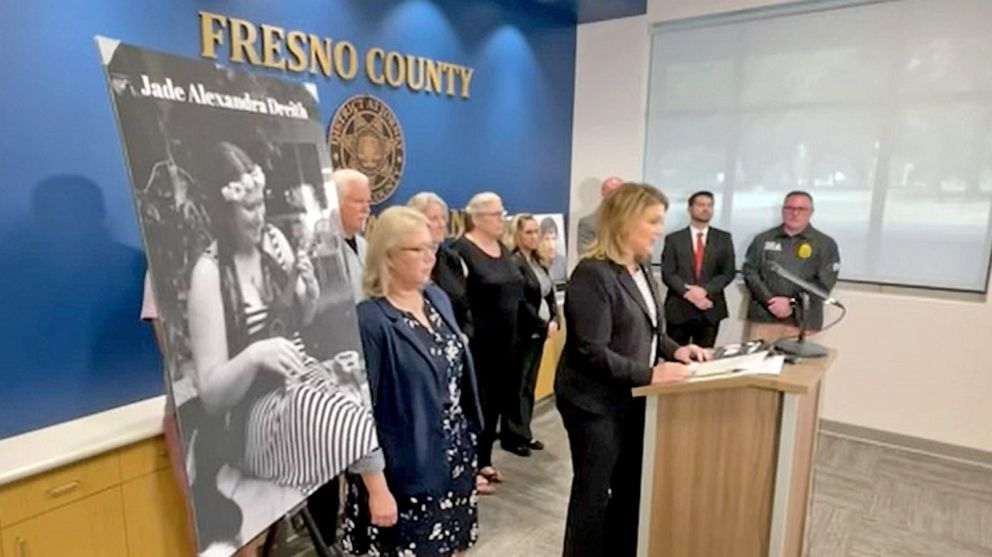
[[304, 514]]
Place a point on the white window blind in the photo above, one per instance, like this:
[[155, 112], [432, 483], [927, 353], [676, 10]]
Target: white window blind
[[882, 110]]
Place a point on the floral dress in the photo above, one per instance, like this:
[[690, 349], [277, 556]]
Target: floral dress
[[429, 525]]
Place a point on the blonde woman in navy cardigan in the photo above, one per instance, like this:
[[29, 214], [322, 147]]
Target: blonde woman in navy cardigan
[[425, 401]]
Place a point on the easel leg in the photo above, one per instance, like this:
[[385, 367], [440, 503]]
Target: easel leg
[[318, 541], [270, 539]]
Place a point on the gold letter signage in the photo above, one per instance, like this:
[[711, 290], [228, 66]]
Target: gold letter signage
[[270, 46]]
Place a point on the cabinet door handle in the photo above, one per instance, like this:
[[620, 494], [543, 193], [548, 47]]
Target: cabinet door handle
[[21, 546], [63, 489]]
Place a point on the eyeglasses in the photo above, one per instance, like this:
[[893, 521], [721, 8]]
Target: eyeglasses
[[794, 209], [422, 251], [500, 214]]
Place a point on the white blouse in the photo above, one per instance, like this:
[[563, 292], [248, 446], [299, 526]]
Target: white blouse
[[642, 284]]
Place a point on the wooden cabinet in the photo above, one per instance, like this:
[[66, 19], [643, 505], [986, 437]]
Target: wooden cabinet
[[90, 527], [122, 503], [155, 516], [549, 363], [33, 496], [143, 458]]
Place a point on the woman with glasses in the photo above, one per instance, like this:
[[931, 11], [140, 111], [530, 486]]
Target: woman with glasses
[[422, 499], [449, 271], [495, 290]]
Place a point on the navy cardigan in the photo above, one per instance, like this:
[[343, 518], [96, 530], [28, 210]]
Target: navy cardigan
[[409, 393]]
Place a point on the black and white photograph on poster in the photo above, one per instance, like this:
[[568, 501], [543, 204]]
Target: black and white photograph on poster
[[233, 189], [553, 232]]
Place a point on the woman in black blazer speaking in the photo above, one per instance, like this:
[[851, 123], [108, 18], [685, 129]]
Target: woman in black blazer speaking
[[615, 343]]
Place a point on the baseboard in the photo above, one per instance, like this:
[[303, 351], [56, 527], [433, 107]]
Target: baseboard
[[948, 451], [544, 404]]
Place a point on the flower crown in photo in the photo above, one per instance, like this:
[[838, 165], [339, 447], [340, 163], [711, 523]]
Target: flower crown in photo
[[235, 192]]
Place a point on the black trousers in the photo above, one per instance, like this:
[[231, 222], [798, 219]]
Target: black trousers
[[324, 505], [604, 504], [494, 387], [494, 367], [520, 405], [697, 331]]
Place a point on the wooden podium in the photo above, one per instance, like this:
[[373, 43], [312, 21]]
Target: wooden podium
[[728, 464]]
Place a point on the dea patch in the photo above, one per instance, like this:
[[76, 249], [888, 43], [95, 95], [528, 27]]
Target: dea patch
[[366, 136]]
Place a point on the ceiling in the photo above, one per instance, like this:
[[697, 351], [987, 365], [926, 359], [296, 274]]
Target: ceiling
[[586, 11]]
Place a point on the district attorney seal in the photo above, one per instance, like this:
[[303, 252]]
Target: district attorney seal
[[366, 136]]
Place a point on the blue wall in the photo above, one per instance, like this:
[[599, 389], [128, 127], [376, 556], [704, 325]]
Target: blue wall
[[70, 253]]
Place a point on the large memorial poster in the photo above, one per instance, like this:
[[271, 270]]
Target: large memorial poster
[[232, 184]]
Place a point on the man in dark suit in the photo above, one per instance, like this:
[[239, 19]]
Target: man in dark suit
[[697, 265]]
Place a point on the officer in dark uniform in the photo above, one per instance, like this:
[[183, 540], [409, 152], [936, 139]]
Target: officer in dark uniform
[[799, 248]]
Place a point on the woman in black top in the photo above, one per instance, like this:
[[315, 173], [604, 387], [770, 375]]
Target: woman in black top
[[495, 288], [449, 270], [537, 321]]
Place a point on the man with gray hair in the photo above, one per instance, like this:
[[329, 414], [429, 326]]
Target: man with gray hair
[[799, 248], [354, 197]]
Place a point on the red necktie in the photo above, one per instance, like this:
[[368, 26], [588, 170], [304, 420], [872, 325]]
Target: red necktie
[[697, 256]]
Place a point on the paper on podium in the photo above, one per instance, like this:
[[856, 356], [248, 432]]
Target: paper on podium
[[772, 365], [758, 362]]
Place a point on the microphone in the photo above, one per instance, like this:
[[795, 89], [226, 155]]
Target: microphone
[[799, 347], [805, 285]]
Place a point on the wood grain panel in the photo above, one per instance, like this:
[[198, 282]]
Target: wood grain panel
[[800, 491], [144, 458], [714, 473], [33, 496], [89, 527], [549, 364], [155, 515]]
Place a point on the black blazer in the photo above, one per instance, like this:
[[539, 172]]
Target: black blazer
[[609, 337], [530, 322], [717, 272], [449, 274]]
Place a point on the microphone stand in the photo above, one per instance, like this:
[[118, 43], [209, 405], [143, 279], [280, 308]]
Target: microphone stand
[[799, 347]]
